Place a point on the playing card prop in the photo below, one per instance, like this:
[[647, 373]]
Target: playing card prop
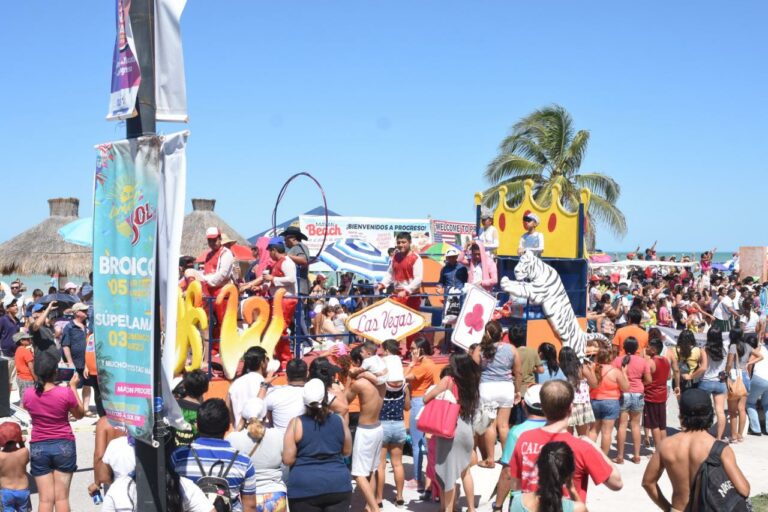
[[477, 311]]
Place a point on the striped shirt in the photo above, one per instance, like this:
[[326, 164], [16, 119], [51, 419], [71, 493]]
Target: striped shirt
[[241, 477]]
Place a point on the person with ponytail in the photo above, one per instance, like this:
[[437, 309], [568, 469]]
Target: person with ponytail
[[53, 454], [606, 407], [265, 448], [548, 355], [740, 357], [555, 466], [314, 446], [453, 457], [499, 363]]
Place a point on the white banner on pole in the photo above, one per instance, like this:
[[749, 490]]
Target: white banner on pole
[[173, 176], [170, 83], [126, 74]]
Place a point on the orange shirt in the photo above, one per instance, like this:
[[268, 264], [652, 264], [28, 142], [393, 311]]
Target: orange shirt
[[424, 375], [24, 356], [631, 331]]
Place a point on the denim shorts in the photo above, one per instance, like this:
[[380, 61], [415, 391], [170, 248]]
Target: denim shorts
[[713, 387], [55, 455], [394, 432], [606, 409], [632, 402]]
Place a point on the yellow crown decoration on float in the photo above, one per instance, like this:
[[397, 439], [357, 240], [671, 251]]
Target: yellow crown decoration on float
[[560, 227]]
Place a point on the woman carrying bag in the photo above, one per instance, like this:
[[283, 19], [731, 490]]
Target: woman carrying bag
[[454, 454]]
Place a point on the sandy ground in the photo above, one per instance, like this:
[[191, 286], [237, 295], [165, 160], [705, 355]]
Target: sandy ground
[[751, 456]]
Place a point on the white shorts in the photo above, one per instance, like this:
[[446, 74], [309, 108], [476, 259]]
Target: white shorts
[[366, 449], [503, 393]]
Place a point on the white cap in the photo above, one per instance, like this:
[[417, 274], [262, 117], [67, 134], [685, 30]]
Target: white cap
[[533, 397], [212, 232], [532, 216], [69, 285], [314, 391], [451, 252], [253, 408]]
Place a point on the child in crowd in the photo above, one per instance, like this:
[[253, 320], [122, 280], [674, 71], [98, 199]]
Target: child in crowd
[[372, 364], [393, 363], [14, 457], [25, 359]]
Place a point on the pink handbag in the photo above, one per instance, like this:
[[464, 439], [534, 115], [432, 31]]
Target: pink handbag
[[439, 417]]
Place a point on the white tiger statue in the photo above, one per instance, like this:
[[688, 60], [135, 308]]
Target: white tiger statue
[[541, 284]]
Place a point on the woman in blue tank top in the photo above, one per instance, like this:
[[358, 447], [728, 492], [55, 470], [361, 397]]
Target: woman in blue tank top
[[314, 447]]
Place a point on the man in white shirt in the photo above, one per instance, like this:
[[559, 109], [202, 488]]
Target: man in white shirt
[[249, 385], [286, 402]]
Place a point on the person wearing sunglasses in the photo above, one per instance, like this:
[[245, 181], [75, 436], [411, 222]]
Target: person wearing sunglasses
[[531, 240]]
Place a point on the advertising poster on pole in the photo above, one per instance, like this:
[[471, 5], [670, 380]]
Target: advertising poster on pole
[[450, 232], [124, 242], [379, 232], [126, 75], [477, 311]]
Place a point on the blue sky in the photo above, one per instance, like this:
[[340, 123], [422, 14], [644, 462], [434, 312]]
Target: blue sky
[[397, 107]]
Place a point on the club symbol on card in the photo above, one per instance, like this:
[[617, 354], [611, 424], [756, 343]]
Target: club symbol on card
[[474, 319]]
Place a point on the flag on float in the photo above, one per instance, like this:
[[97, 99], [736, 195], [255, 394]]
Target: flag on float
[[170, 81]]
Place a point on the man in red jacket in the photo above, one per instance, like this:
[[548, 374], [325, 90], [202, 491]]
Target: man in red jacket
[[406, 271]]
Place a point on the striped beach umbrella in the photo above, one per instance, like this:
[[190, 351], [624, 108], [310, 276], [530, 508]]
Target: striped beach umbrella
[[358, 256]]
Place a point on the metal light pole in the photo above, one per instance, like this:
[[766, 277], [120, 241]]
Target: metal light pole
[[151, 493]]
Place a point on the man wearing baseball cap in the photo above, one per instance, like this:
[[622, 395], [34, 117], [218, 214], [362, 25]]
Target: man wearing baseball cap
[[691, 447], [218, 268], [73, 342], [535, 419], [531, 240]]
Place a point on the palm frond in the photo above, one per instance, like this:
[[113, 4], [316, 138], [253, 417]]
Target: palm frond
[[515, 193], [506, 166], [599, 184], [607, 214], [575, 152]]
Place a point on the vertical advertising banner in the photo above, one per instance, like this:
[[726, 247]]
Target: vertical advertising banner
[[124, 242], [126, 75]]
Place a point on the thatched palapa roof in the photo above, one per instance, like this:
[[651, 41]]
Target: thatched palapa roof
[[41, 250], [202, 217]]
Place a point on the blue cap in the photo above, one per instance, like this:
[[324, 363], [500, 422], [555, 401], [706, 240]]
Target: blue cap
[[37, 307], [278, 240]]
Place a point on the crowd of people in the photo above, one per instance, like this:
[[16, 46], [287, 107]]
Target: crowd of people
[[340, 417]]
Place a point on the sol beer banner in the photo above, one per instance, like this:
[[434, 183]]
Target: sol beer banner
[[379, 232], [384, 320], [124, 242]]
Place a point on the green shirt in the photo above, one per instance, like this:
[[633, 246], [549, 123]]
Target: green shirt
[[529, 360]]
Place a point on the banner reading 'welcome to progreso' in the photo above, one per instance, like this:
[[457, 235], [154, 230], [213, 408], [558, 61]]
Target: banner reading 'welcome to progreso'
[[124, 242]]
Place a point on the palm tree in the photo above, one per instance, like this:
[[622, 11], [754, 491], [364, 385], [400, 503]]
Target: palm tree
[[544, 148]]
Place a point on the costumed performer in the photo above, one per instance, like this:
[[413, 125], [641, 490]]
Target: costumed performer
[[482, 269], [405, 272], [489, 236]]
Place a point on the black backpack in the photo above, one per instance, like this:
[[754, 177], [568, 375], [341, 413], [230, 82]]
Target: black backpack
[[712, 490], [216, 487]]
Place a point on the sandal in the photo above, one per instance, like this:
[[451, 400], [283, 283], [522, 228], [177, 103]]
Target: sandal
[[618, 460], [496, 508], [487, 464], [399, 503], [636, 460]]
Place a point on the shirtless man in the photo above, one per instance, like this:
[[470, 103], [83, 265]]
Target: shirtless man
[[14, 457], [369, 434], [682, 454]]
